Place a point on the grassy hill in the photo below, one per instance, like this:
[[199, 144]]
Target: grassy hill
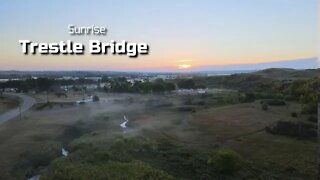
[[284, 73]]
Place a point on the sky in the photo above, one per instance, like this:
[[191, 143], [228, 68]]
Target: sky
[[181, 34]]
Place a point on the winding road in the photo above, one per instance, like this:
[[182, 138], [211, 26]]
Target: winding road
[[28, 102]]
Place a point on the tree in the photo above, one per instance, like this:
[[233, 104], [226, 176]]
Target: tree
[[169, 86], [95, 98], [225, 161], [158, 87], [44, 84], [186, 83]]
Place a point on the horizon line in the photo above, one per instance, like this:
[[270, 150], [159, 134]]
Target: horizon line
[[192, 69]]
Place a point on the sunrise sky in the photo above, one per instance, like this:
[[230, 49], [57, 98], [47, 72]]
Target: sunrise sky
[[181, 34]]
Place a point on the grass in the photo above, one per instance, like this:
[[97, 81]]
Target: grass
[[8, 102], [35, 135], [159, 138], [279, 156]]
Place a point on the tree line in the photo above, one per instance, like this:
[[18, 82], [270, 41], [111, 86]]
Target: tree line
[[118, 85]]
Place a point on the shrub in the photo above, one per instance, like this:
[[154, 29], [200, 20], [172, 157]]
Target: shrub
[[247, 98], [225, 161], [312, 119], [264, 106], [186, 83], [95, 98], [310, 108], [293, 129], [64, 169], [188, 101], [42, 106], [294, 114]]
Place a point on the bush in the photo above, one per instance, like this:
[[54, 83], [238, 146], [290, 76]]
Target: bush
[[292, 129], [95, 98], [310, 108], [113, 162], [42, 106], [264, 106], [247, 98], [186, 83], [312, 119], [64, 169], [294, 114], [225, 161]]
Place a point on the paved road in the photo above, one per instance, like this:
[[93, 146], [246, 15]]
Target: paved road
[[27, 104]]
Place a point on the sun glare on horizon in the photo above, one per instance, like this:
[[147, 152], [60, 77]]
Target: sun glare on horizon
[[184, 66]]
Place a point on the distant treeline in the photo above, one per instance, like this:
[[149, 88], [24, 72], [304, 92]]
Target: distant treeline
[[159, 85], [120, 84], [42, 84]]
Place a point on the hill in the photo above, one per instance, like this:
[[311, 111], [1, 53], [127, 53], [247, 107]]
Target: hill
[[286, 73]]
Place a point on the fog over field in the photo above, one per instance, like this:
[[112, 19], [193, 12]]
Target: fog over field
[[248, 125]]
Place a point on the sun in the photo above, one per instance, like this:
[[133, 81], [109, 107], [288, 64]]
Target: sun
[[184, 66], [184, 63]]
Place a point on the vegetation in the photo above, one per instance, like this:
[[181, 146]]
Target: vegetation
[[272, 91], [298, 130], [186, 83], [95, 98], [122, 85], [64, 169], [225, 161], [140, 158], [264, 106], [8, 102], [254, 126]]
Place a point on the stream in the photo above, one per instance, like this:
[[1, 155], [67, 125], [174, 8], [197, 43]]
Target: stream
[[65, 153], [123, 125]]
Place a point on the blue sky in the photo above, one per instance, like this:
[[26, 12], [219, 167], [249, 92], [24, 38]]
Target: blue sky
[[205, 32]]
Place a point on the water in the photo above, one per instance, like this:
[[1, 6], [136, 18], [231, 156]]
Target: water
[[64, 152], [36, 177], [123, 125]]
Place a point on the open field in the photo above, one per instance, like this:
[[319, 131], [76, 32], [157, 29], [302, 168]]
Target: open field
[[243, 126], [195, 127]]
